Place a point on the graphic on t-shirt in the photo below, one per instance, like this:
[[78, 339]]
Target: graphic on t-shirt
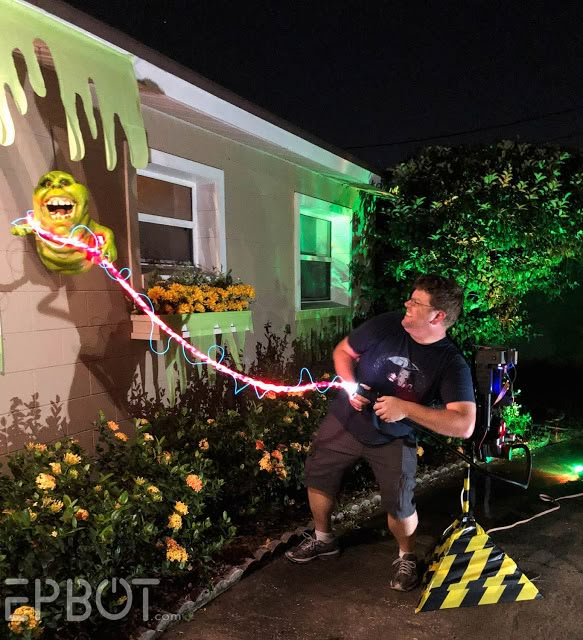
[[402, 376]]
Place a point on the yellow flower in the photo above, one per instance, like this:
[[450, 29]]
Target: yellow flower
[[45, 481], [121, 436], [306, 414], [281, 471], [174, 552], [296, 446], [203, 445], [98, 488], [73, 473], [194, 482], [55, 468], [420, 451], [32, 514], [71, 458], [23, 619], [174, 521], [293, 405], [113, 425], [140, 481], [54, 533], [148, 436], [82, 514], [265, 462], [54, 506], [143, 421], [153, 490], [36, 446], [181, 508], [288, 419]]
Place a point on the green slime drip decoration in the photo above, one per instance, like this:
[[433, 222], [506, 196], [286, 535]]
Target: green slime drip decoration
[[60, 204], [81, 63]]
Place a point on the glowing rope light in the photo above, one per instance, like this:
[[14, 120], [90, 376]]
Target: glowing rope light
[[94, 255]]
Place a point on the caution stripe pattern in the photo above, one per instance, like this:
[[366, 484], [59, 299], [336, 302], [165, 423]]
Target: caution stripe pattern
[[468, 569]]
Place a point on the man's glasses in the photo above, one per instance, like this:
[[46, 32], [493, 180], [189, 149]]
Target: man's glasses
[[416, 303]]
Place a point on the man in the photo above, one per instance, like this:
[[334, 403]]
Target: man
[[409, 365]]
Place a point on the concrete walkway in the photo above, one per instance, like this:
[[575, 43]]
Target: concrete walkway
[[349, 599]]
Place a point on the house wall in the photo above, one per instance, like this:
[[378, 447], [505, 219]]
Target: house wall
[[67, 352], [259, 217], [67, 347]]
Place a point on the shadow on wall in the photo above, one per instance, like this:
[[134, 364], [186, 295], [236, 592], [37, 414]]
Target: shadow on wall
[[26, 422]]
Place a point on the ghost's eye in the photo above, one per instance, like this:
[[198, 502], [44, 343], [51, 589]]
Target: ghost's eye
[[45, 183], [64, 182]]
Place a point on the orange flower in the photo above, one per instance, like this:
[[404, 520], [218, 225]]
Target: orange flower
[[82, 514], [259, 445], [194, 482], [277, 455]]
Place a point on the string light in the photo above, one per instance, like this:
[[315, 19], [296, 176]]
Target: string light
[[242, 381]]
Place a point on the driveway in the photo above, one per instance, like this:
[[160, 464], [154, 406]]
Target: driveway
[[349, 599]]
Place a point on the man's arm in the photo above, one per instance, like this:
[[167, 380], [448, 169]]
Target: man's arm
[[457, 419], [345, 358]]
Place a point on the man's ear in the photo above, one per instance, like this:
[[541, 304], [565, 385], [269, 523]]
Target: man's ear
[[439, 317]]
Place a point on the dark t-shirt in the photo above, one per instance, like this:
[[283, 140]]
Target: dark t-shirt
[[393, 364]]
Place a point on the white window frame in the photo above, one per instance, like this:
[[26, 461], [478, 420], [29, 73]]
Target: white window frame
[[334, 213], [187, 173]]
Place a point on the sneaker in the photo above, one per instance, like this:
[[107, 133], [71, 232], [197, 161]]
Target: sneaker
[[311, 548], [406, 576]]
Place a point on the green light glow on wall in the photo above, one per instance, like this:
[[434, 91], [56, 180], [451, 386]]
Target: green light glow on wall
[[77, 58]]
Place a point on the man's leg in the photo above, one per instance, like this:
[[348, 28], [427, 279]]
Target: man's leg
[[404, 532], [394, 466], [321, 505]]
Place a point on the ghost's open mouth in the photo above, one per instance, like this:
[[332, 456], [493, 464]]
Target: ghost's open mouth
[[60, 208]]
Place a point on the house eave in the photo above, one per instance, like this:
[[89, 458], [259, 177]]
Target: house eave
[[214, 107]]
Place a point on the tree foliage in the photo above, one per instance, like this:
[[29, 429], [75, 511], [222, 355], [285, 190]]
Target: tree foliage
[[503, 220]]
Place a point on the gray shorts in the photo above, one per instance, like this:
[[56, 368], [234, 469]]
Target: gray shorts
[[394, 465]]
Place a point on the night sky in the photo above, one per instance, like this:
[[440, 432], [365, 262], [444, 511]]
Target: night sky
[[381, 79]]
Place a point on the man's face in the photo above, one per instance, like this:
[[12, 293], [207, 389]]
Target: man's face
[[418, 312]]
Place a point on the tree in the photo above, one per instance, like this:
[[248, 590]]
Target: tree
[[503, 220]]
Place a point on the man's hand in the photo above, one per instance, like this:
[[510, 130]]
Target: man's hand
[[389, 409], [358, 402]]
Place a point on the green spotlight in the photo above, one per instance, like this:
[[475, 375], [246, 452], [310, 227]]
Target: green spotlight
[[578, 468]]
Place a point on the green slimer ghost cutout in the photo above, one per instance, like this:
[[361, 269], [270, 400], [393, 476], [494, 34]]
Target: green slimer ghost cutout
[[60, 204]]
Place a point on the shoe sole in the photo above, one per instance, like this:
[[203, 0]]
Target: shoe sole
[[399, 588], [324, 556]]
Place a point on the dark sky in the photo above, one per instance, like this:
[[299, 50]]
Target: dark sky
[[370, 76]]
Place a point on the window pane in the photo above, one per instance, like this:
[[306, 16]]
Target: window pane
[[315, 236], [161, 198], [315, 280], [160, 243]]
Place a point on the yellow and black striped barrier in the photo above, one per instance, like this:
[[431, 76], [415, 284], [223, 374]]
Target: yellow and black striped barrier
[[469, 570]]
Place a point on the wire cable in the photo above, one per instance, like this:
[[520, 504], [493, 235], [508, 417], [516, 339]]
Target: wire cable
[[545, 498]]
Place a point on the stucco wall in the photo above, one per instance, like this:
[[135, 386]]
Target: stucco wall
[[66, 340]]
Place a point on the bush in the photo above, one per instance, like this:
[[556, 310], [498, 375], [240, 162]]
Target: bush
[[503, 220]]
